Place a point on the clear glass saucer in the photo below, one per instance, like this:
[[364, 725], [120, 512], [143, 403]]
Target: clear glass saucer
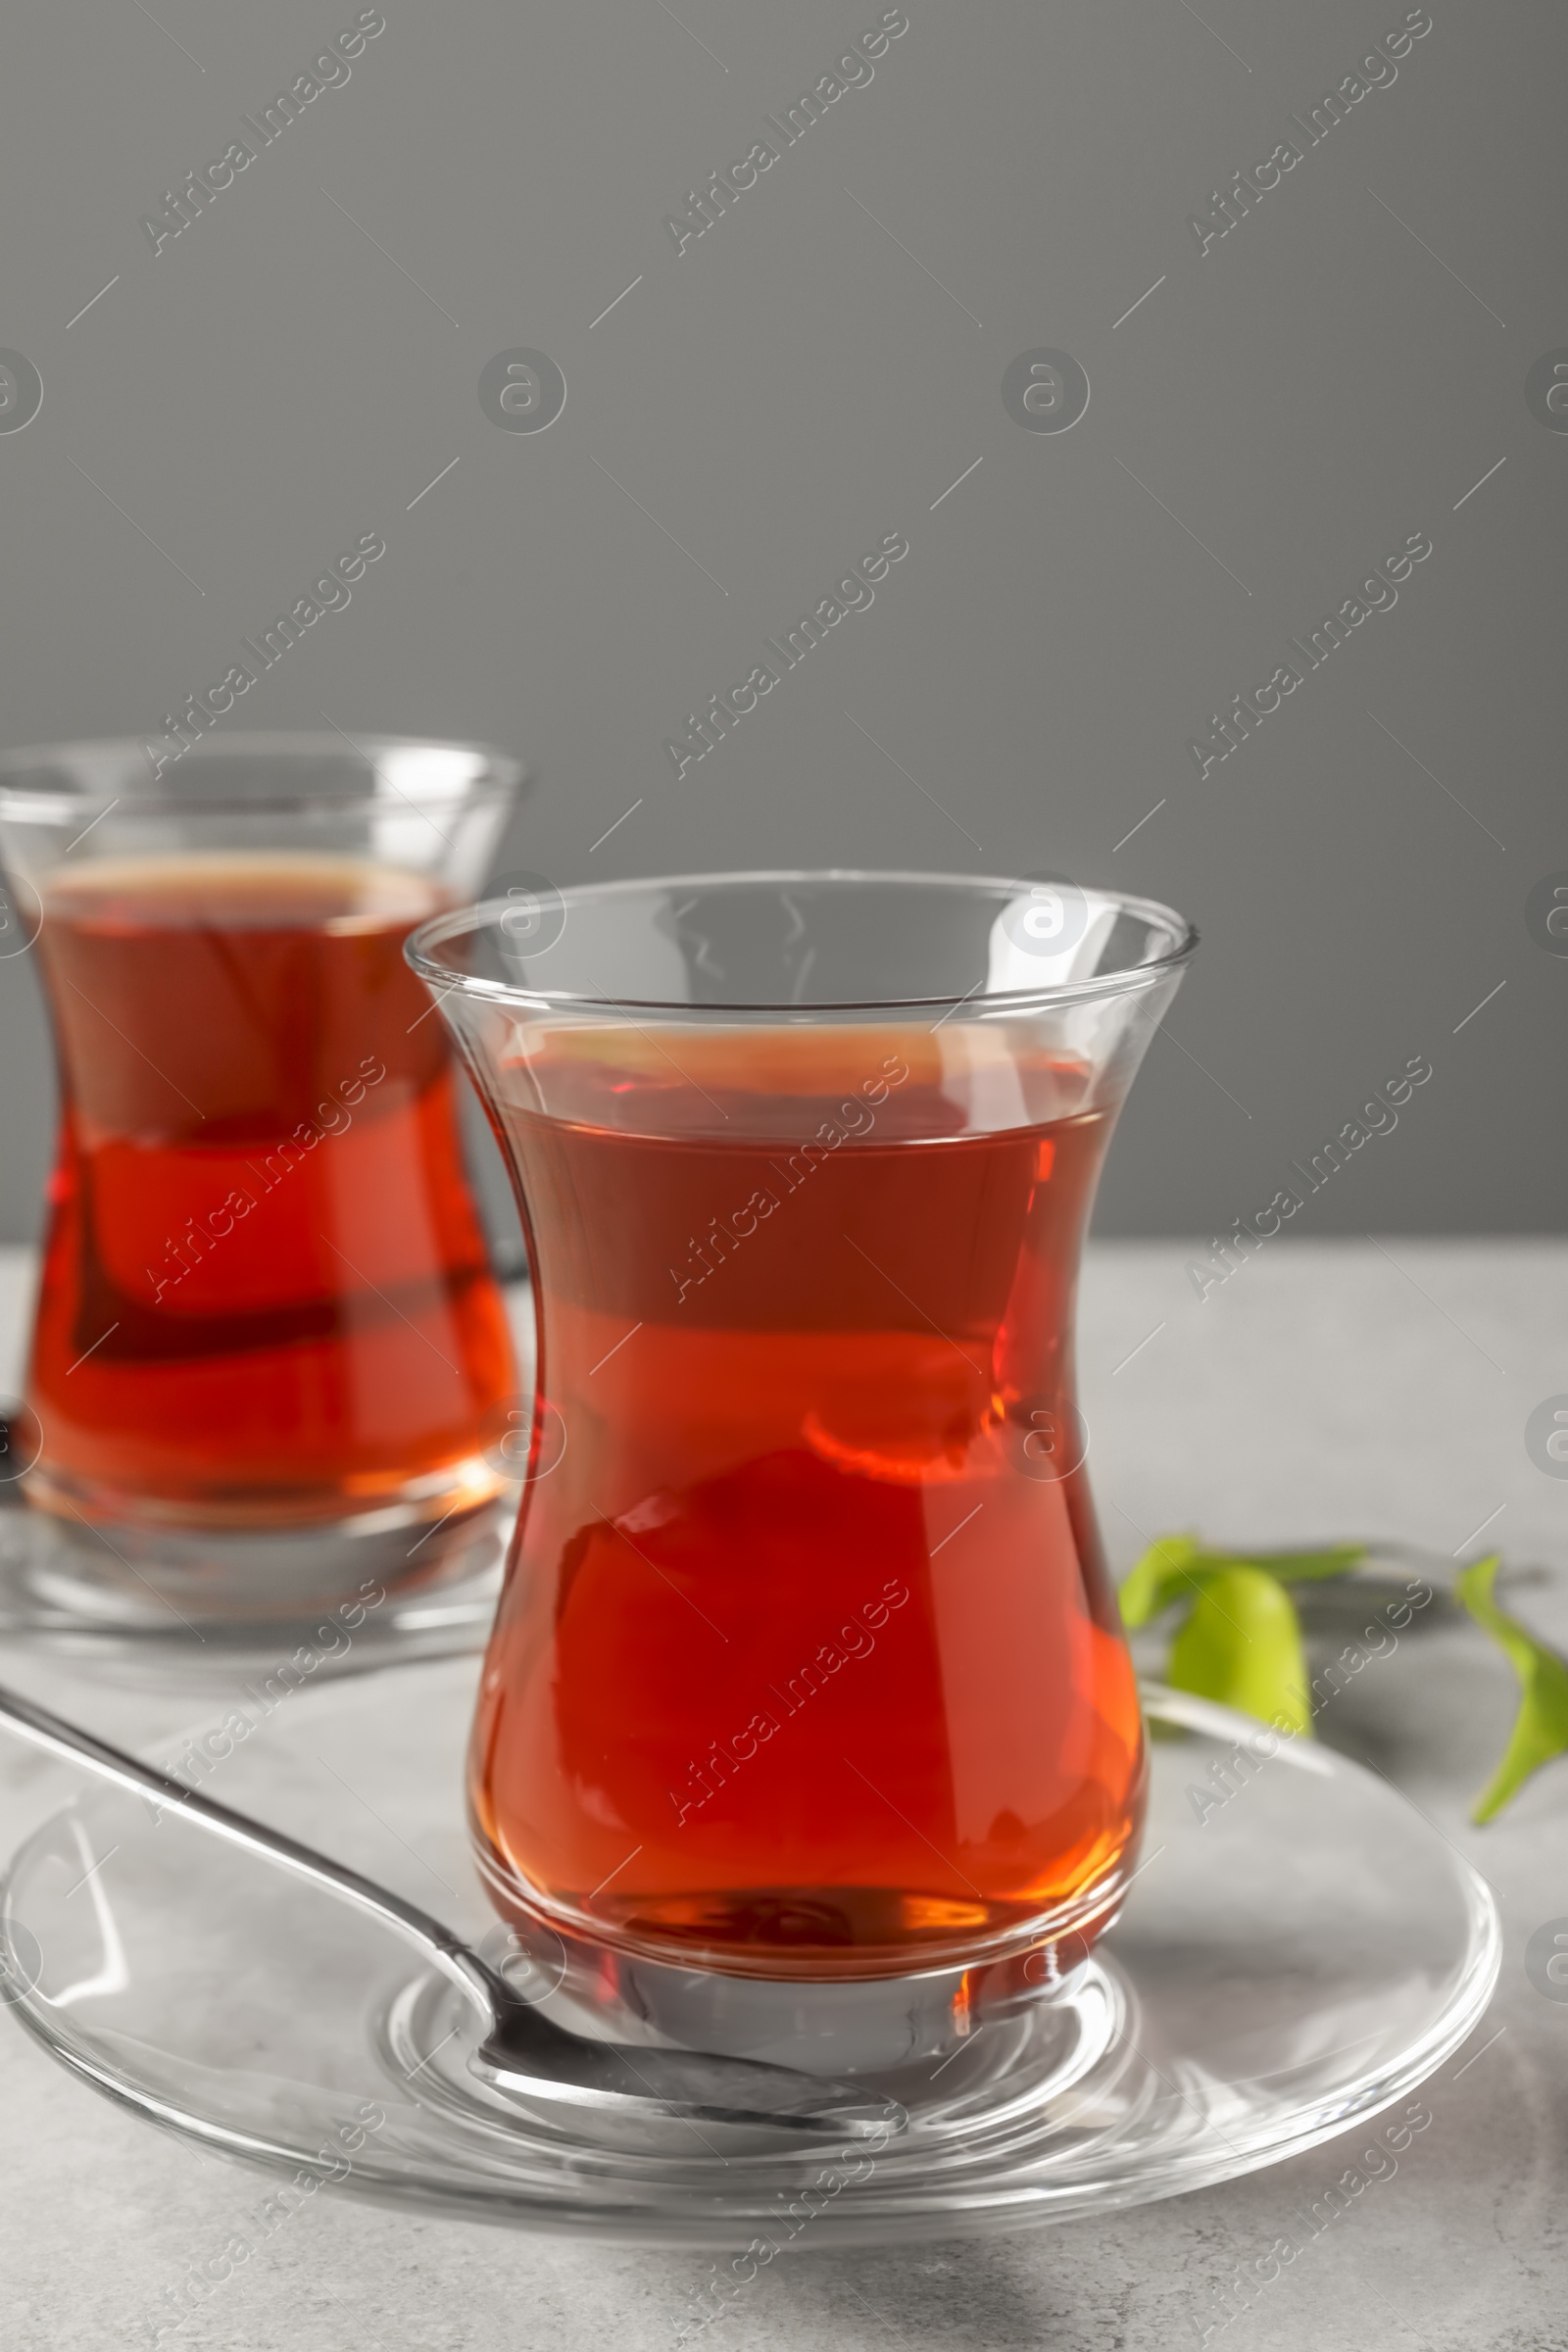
[[1300, 1949]]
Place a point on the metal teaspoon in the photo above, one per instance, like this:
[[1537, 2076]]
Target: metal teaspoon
[[522, 2051]]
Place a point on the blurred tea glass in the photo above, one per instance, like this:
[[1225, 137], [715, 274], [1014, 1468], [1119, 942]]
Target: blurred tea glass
[[270, 1366], [807, 1670]]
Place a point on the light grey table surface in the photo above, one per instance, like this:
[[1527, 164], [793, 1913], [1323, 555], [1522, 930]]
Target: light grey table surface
[[1327, 1389]]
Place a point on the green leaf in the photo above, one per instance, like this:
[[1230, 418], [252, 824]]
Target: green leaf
[[1242, 1646], [1290, 1567], [1541, 1727], [1240, 1641], [1162, 1576]]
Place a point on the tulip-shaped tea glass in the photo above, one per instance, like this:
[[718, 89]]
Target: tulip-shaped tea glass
[[808, 1686], [269, 1358]]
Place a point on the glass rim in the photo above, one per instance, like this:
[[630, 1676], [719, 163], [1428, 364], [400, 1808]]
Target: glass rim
[[419, 949], [498, 773]]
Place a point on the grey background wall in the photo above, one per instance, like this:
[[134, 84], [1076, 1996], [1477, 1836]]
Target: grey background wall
[[1272, 410]]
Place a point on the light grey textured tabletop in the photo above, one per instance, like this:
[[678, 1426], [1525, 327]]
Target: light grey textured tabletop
[[1327, 1389]]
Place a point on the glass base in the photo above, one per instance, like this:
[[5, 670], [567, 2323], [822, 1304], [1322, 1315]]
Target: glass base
[[788, 1941], [354, 1590], [1297, 1950]]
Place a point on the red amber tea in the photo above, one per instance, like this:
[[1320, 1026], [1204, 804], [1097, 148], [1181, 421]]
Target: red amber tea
[[266, 1295], [808, 1663]]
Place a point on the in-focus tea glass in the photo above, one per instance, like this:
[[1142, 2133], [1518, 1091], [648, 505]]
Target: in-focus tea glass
[[269, 1351], [807, 1666]]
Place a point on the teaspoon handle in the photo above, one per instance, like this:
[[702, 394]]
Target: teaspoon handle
[[53, 1732]]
